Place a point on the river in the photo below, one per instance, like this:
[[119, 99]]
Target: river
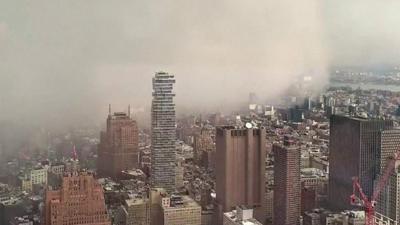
[[367, 86]]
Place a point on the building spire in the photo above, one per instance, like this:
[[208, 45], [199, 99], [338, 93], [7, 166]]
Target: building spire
[[109, 109], [74, 154], [129, 111]]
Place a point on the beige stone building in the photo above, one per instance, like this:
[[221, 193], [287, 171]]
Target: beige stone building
[[26, 183], [135, 211], [173, 209], [181, 210], [39, 175]]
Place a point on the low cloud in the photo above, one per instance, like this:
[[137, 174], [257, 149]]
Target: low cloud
[[64, 62]]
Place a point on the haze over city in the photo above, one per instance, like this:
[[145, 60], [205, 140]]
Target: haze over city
[[78, 56], [184, 112]]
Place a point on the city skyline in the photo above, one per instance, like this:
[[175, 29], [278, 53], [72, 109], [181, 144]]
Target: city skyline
[[230, 112]]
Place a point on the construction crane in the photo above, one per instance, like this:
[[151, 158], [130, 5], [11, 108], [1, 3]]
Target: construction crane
[[363, 200]]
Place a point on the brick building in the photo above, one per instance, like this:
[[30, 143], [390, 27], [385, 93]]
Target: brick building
[[287, 189], [118, 148], [79, 201]]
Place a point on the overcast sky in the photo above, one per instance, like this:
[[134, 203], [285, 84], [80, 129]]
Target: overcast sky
[[62, 60]]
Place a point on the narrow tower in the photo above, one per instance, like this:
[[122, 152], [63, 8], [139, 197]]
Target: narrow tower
[[163, 133]]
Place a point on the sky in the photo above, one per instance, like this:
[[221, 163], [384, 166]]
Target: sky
[[64, 61]]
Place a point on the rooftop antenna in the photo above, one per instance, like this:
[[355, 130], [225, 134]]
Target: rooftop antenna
[[109, 109], [74, 154]]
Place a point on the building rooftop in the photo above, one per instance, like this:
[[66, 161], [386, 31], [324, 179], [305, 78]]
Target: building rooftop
[[233, 217], [119, 115], [135, 201], [313, 172], [136, 172], [57, 164], [182, 201]]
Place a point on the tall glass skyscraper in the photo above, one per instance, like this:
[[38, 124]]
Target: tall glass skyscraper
[[163, 132], [355, 150]]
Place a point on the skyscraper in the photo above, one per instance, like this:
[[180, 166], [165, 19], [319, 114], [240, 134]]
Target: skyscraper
[[118, 148], [388, 145], [389, 198], [163, 132], [204, 147], [287, 184], [80, 201], [240, 170], [354, 152], [134, 211]]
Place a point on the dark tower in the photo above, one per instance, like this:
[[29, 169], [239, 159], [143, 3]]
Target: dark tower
[[354, 152], [118, 148]]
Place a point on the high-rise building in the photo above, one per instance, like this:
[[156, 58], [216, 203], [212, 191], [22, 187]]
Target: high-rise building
[[39, 175], [240, 171], [382, 219], [179, 172], [269, 207], [388, 145], [135, 211], [207, 215], [169, 209], [287, 184], [79, 201], [179, 210], [163, 132], [118, 148], [2, 214], [57, 169], [389, 198], [35, 178], [354, 152], [308, 198], [158, 196], [388, 203], [204, 147], [296, 114], [25, 183]]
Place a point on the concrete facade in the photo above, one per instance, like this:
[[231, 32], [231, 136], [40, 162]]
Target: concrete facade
[[240, 170]]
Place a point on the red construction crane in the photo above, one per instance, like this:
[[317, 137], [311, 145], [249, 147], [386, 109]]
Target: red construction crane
[[369, 205]]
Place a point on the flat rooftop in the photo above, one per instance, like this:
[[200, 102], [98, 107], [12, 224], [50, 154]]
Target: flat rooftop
[[135, 201], [186, 202], [233, 217]]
